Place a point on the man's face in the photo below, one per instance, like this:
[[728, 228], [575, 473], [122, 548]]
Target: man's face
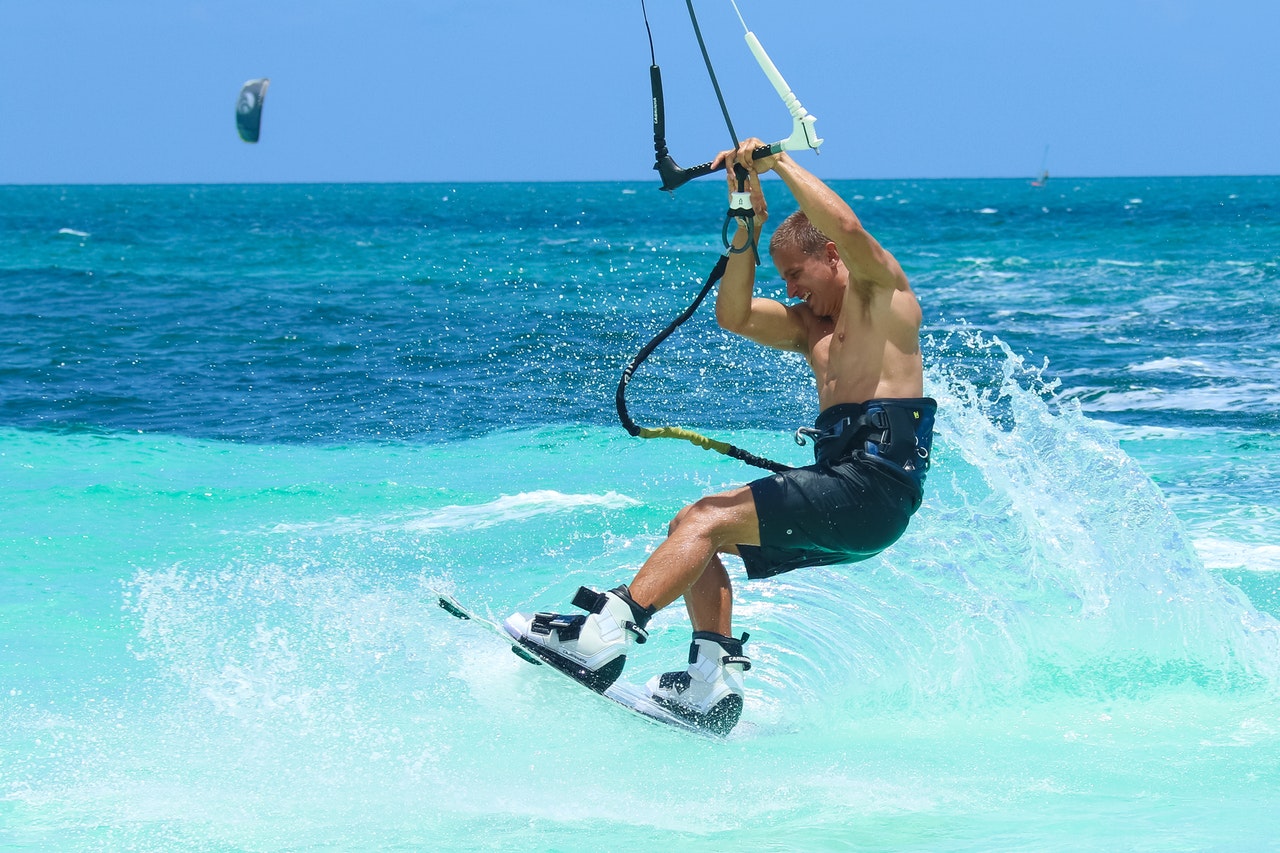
[[813, 279]]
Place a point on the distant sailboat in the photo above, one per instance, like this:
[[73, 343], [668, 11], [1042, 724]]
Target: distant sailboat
[[1044, 173]]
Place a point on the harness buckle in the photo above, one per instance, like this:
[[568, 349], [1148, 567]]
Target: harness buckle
[[806, 431]]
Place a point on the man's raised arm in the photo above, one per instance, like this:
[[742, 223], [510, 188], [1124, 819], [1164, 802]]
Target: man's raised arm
[[738, 309], [863, 256]]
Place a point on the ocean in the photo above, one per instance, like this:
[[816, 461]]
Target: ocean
[[249, 434]]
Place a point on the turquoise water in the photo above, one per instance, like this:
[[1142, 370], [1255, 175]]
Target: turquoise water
[[248, 435]]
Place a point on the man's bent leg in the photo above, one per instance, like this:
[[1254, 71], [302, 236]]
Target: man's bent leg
[[710, 691], [593, 648], [712, 524]]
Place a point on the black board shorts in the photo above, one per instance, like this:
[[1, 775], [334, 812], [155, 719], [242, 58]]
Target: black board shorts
[[821, 515], [847, 507]]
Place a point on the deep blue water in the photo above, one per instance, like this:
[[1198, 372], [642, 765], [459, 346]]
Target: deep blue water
[[247, 434]]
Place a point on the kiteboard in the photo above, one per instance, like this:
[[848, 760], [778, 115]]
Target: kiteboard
[[633, 697]]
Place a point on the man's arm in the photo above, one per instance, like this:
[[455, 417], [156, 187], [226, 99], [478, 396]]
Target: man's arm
[[738, 310], [863, 256]]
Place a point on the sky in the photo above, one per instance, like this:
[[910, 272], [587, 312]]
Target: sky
[[144, 91]]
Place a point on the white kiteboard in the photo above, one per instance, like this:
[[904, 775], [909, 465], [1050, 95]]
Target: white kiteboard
[[630, 696]]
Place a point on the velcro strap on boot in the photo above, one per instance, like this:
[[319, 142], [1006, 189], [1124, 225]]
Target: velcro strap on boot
[[566, 627], [727, 644], [595, 602], [589, 600]]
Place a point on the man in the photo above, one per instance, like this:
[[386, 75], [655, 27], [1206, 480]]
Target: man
[[858, 325]]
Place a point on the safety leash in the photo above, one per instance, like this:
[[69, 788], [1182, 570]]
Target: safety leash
[[803, 135], [620, 398]]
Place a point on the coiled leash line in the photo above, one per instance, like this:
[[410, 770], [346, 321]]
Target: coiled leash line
[[620, 398], [803, 135]]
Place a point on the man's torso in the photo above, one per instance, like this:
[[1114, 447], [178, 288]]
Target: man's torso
[[871, 350]]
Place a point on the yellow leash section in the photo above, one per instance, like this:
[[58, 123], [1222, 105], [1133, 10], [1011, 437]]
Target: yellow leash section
[[688, 435]]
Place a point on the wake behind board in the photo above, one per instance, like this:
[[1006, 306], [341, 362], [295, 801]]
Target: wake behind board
[[630, 696]]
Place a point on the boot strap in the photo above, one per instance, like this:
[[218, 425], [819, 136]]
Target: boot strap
[[594, 602], [726, 644], [566, 627], [589, 600]]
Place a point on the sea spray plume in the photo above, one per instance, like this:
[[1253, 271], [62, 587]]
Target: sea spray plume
[[279, 637], [1046, 563], [1075, 546]]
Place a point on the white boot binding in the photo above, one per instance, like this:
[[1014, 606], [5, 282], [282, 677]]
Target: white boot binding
[[709, 692], [590, 649]]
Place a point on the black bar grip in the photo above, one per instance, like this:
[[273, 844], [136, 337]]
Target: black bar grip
[[674, 177], [766, 151], [659, 113]]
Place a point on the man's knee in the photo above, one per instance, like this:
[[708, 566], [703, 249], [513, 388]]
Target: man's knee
[[706, 516], [681, 517]]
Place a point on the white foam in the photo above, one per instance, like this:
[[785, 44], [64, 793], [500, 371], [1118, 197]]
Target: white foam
[[510, 508], [1221, 554], [503, 510], [1138, 432], [1172, 365], [73, 232], [1240, 398]]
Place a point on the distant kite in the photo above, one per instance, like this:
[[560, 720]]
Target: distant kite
[[249, 109]]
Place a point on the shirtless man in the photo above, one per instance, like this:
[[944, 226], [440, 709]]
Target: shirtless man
[[858, 325]]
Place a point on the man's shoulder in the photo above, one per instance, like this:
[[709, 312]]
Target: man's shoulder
[[812, 321]]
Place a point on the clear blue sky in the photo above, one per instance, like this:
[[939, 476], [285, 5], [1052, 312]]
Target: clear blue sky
[[141, 91]]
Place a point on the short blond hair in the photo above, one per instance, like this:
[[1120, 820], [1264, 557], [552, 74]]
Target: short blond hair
[[797, 233]]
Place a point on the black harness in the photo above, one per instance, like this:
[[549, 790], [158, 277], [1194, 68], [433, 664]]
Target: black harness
[[895, 432]]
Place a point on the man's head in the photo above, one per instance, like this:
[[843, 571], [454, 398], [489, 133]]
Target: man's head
[[810, 265]]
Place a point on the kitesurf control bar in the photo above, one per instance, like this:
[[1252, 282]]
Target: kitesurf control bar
[[674, 177], [803, 132]]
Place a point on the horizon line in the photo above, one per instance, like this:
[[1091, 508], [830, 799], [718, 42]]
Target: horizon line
[[656, 185]]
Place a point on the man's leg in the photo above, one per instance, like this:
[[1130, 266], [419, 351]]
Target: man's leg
[[709, 692], [677, 567], [593, 649], [710, 600]]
